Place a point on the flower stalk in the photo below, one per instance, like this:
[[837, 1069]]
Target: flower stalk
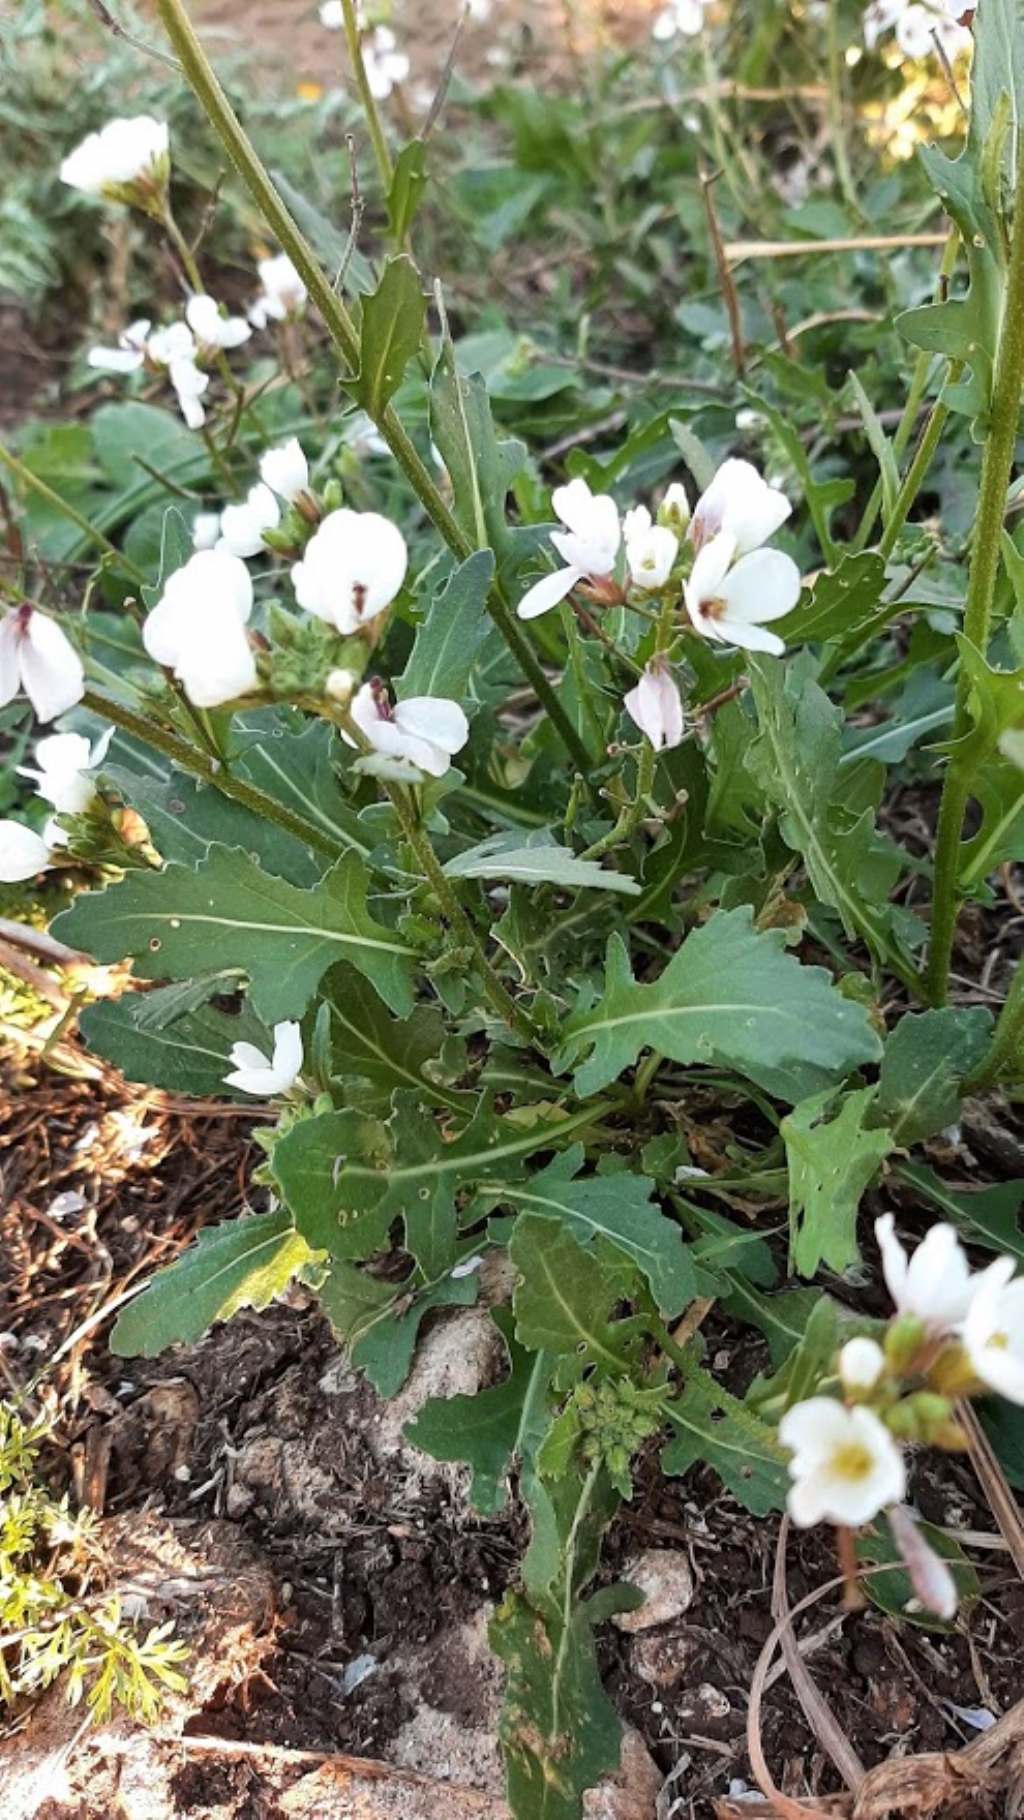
[[341, 328], [997, 463]]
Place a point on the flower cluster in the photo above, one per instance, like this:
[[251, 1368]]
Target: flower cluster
[[918, 25], [176, 350], [955, 1333], [713, 561], [63, 777]]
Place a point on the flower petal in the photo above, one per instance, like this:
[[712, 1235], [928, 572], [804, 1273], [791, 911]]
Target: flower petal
[[547, 592], [761, 587], [434, 718], [51, 671]]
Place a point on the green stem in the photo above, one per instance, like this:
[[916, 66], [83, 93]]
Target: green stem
[[996, 467], [343, 333], [631, 816], [33, 482], [837, 113], [501, 999], [202, 764], [1007, 1038], [913, 481], [366, 96]]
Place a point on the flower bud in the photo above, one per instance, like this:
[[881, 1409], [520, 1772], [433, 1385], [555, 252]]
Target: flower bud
[[861, 1364], [903, 1341], [339, 686], [674, 510], [953, 1374]]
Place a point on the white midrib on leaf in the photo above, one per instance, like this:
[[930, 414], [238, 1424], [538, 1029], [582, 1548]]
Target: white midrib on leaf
[[176, 917]]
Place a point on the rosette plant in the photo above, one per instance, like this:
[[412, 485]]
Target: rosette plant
[[488, 821]]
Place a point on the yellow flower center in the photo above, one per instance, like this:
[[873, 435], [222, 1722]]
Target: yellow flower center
[[853, 1460]]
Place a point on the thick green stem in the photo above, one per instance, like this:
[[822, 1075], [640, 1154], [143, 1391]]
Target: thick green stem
[[366, 95], [1007, 1049], [343, 333], [500, 998], [35, 485], [202, 764], [997, 464]]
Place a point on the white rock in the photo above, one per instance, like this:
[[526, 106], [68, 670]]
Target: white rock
[[665, 1577]]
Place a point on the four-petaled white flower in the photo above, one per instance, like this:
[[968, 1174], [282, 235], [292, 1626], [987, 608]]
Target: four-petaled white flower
[[425, 730], [384, 63], [588, 546], [23, 853], [285, 469], [242, 526], [651, 549], [122, 153], [212, 329], [730, 602], [61, 773], [681, 16], [861, 1364], [993, 1330], [130, 352], [935, 1284], [197, 628], [656, 707], [205, 530], [283, 293], [742, 504], [846, 1467], [37, 657], [254, 1073], [352, 567]]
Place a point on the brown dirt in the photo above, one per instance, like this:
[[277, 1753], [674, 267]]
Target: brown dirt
[[261, 1428]]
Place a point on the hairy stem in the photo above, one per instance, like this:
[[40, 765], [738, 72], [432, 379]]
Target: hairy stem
[[202, 764], [500, 998], [369, 104], [342, 330], [997, 463], [1007, 1049]]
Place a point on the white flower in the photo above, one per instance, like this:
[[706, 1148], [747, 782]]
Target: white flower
[[934, 1285], [253, 1073], [197, 628], [861, 1364], [730, 602], [917, 25], [64, 761], [332, 15], [36, 656], [993, 1331], [930, 1576], [685, 16], [205, 530], [129, 354], [427, 730], [353, 566], [650, 549], [285, 469], [385, 65], [656, 707], [846, 1467], [175, 349], [283, 293], [242, 526], [23, 853], [740, 502], [123, 152], [210, 328], [588, 545]]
